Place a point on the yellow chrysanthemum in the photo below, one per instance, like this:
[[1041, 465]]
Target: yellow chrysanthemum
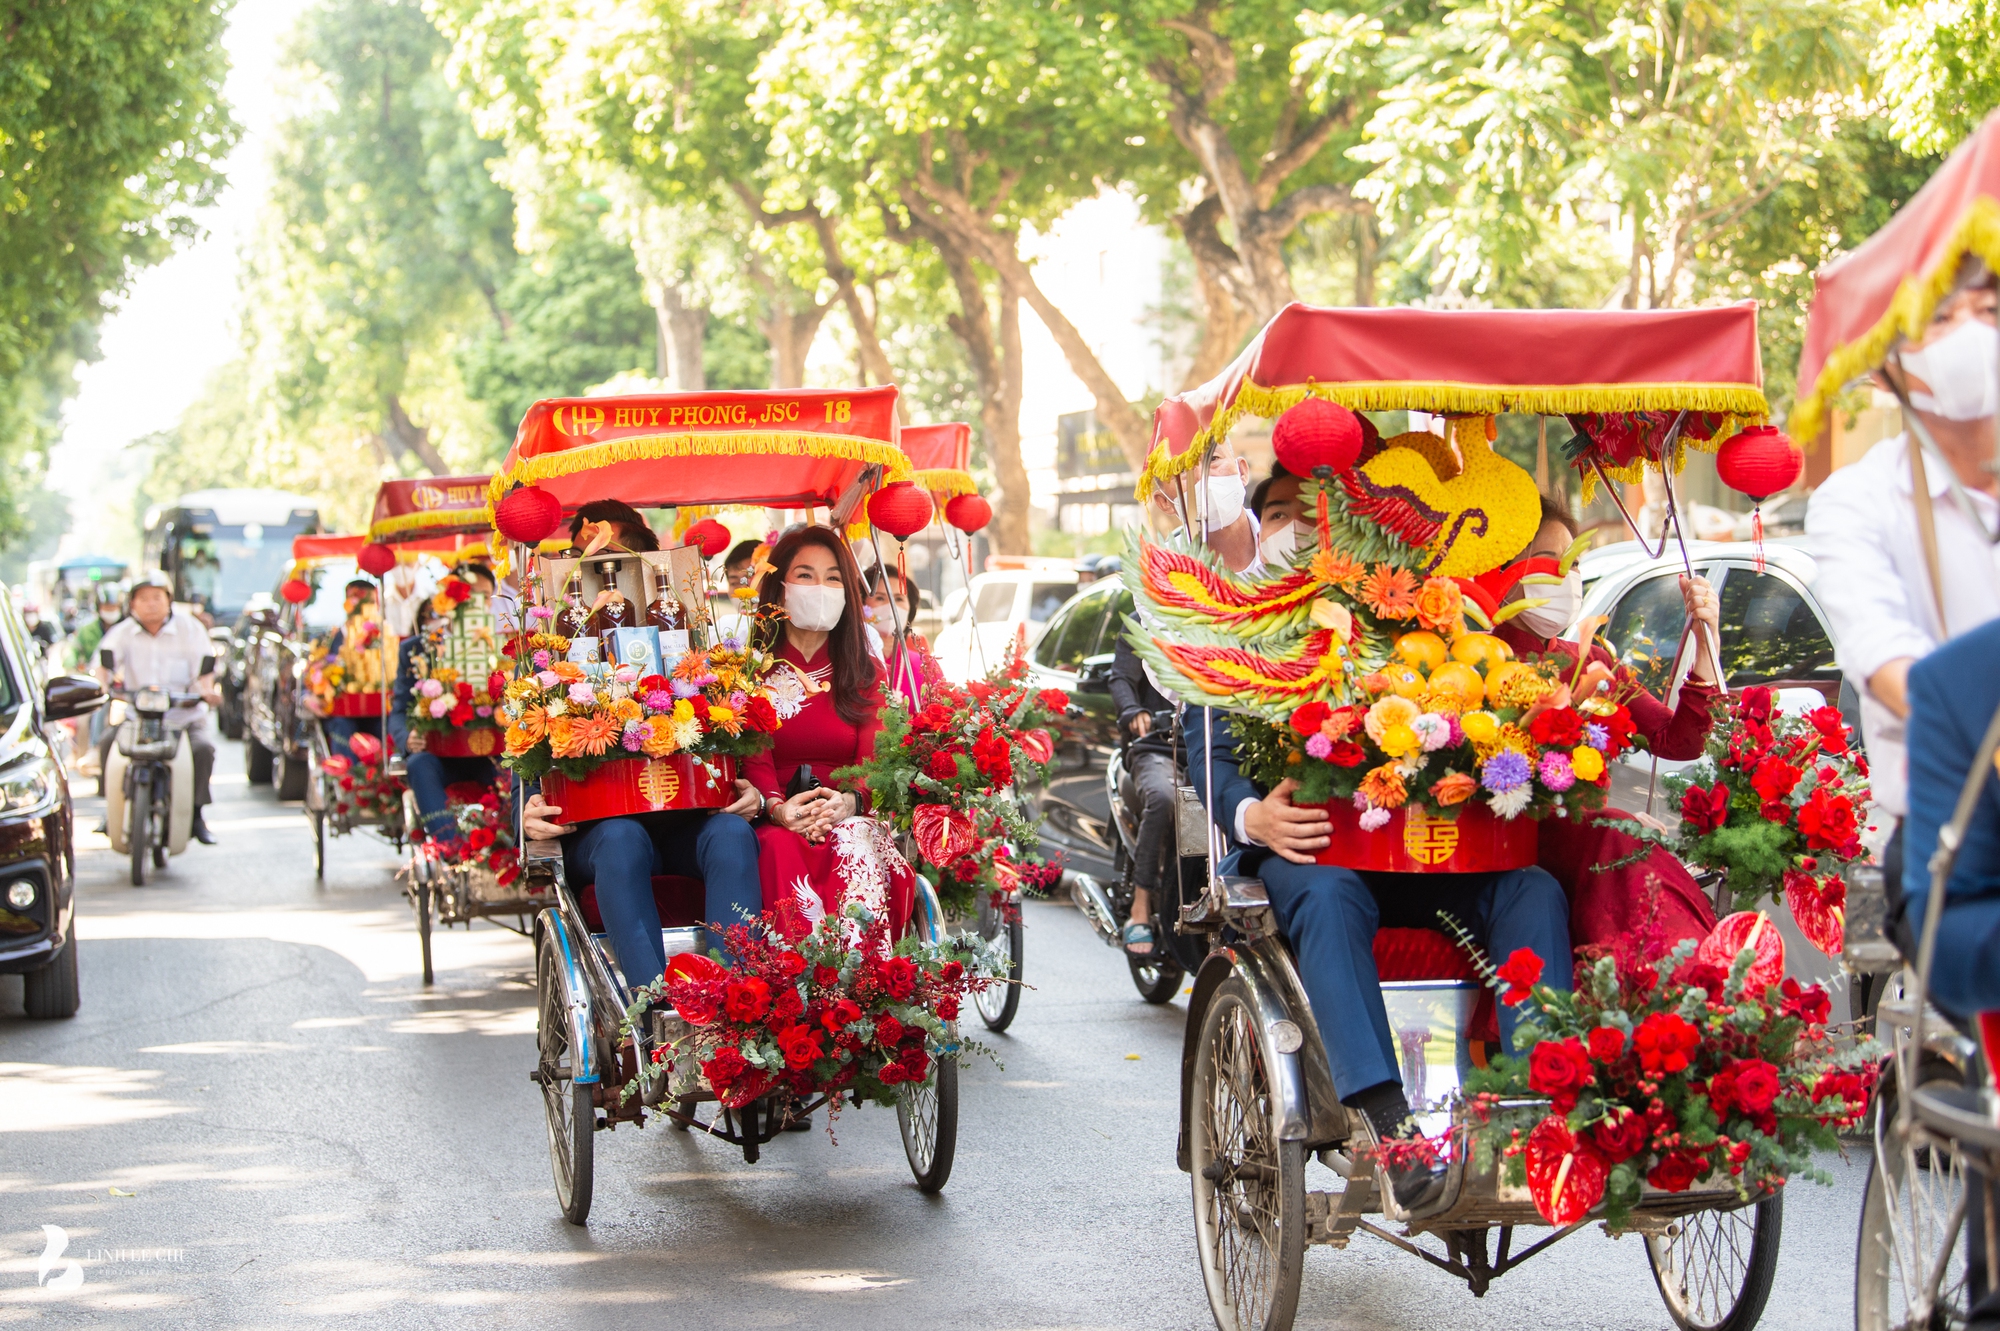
[[1587, 762], [1399, 740], [1480, 727]]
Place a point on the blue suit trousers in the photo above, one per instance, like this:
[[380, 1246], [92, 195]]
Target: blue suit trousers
[[622, 855]]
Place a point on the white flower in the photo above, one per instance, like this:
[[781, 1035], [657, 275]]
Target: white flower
[[556, 707], [1509, 803]]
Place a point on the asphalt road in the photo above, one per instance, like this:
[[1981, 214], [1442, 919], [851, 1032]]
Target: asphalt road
[[262, 1118]]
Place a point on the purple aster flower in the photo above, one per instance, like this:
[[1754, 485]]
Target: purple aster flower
[[1596, 736], [1504, 771], [683, 689], [1557, 774], [634, 736], [1318, 746]]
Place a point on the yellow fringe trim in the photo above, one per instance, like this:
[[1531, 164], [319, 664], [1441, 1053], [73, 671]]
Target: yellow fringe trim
[[1254, 399], [1909, 315], [381, 532], [947, 481]]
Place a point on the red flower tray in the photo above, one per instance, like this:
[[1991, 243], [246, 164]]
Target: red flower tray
[[626, 786], [356, 704], [464, 742], [1413, 841]]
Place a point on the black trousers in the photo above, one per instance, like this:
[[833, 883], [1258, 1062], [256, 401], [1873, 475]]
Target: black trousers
[[1153, 779]]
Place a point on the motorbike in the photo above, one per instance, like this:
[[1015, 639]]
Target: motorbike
[[1158, 975], [149, 777]]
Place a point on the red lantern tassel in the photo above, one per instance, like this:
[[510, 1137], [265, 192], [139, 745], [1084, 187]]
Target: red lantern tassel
[[1325, 523], [1757, 535]]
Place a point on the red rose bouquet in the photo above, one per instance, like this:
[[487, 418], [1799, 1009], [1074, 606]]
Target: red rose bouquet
[[1776, 803], [944, 775], [486, 829], [362, 789], [1699, 1066], [840, 1010]]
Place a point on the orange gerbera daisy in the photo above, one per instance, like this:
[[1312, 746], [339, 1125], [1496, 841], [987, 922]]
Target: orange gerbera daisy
[[1338, 568], [563, 741], [595, 734], [533, 723], [1391, 593], [1383, 787]]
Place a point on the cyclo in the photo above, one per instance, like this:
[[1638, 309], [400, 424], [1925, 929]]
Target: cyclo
[[447, 518], [1258, 1097], [1935, 1133], [799, 450]]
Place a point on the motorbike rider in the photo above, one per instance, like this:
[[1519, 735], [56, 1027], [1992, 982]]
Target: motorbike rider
[[1150, 759], [160, 645]]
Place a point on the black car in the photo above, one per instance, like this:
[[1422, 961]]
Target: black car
[[276, 726], [37, 851], [1074, 654], [232, 655]]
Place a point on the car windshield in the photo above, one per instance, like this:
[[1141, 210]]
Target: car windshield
[[1047, 598], [225, 567], [1645, 631], [327, 608], [1770, 633], [994, 603]]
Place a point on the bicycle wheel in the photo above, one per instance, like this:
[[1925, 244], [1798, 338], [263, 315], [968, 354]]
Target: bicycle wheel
[[421, 897], [998, 1003], [1909, 1266], [927, 1116], [1249, 1187], [572, 1120], [139, 817], [1714, 1268]]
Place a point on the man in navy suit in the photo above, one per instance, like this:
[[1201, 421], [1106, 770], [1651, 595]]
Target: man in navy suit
[[1330, 916], [1954, 693]]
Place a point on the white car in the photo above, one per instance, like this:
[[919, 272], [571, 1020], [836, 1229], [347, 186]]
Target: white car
[[982, 620]]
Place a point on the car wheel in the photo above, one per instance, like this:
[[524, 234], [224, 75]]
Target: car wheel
[[256, 761], [52, 992], [293, 774]]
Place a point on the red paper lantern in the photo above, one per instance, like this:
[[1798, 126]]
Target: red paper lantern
[[1314, 434], [376, 559], [902, 508], [1759, 462], [708, 536], [296, 590], [968, 513], [528, 515]]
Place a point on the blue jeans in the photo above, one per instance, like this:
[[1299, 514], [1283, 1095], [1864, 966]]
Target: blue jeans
[[1331, 915], [622, 855], [428, 775], [340, 729]]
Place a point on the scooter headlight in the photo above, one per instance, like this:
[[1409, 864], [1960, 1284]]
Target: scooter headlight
[[152, 698]]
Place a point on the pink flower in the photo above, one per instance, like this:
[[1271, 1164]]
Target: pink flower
[[635, 735], [625, 674], [659, 700], [1557, 774], [540, 660], [581, 695], [1433, 729], [1318, 746], [1373, 819], [430, 688], [441, 707], [548, 679], [483, 711]]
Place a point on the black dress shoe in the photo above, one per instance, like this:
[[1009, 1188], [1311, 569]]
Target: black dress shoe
[[803, 1123], [1418, 1182], [200, 832]]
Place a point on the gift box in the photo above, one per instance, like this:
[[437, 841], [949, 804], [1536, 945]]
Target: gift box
[[1413, 841], [627, 786], [365, 703], [464, 742]]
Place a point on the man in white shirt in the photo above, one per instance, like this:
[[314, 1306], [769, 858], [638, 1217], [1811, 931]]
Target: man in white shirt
[[161, 646], [1876, 577]]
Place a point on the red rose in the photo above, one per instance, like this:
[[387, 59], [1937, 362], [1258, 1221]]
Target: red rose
[[696, 1009], [916, 1064], [496, 684], [1054, 700], [746, 1000], [461, 714], [1774, 779], [1665, 1040], [1606, 1044], [942, 766], [947, 1009], [951, 972], [1831, 727], [652, 683], [897, 977], [841, 1015], [1676, 1171], [1705, 810], [1308, 719], [1558, 1068], [699, 704], [1620, 1134], [462, 691], [1809, 1003], [1346, 753], [825, 976], [1520, 971], [1559, 727], [801, 1047], [457, 590], [724, 1067], [1754, 705], [760, 715], [1827, 821], [787, 1004], [479, 838], [1702, 975], [888, 1031], [791, 964], [1756, 1085], [994, 757]]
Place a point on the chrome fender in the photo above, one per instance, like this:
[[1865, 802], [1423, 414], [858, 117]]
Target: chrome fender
[[581, 1041]]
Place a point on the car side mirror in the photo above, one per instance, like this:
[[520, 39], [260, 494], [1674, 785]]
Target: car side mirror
[[71, 695], [1094, 676]]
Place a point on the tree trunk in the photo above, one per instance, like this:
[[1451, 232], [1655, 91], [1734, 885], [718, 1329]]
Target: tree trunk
[[407, 436], [681, 328], [790, 333], [874, 360], [1366, 243], [944, 209], [997, 365], [1225, 323]]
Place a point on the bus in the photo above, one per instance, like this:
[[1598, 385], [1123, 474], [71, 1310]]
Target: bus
[[221, 547]]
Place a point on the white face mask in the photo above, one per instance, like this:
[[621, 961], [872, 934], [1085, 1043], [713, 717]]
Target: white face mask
[[814, 608], [1222, 499], [1563, 599], [1961, 369], [1280, 545]]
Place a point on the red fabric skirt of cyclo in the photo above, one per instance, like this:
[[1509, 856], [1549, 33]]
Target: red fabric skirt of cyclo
[[1642, 909], [680, 901]]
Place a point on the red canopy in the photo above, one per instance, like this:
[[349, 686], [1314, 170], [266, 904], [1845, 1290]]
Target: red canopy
[[942, 458], [1891, 285], [1472, 361], [327, 547], [780, 448], [428, 506]]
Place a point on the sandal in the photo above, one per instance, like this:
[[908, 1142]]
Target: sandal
[[1136, 932]]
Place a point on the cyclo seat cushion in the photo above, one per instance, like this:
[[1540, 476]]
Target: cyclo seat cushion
[[680, 902]]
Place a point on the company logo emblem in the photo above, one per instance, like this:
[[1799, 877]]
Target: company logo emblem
[[577, 420], [70, 1276], [1429, 840], [482, 741], [659, 782]]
